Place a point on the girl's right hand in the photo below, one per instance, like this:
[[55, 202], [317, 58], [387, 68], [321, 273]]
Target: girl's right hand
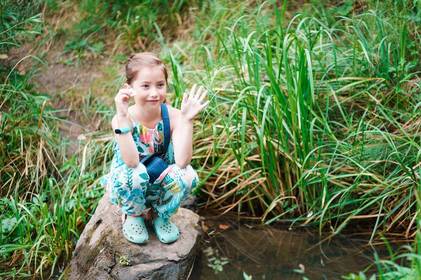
[[122, 100]]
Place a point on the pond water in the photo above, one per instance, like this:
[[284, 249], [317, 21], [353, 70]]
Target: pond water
[[233, 251]]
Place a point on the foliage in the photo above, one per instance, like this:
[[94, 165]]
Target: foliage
[[18, 23], [215, 261], [401, 266], [304, 128], [135, 24], [46, 198]]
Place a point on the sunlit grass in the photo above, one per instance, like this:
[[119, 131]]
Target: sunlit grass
[[46, 197], [331, 136]]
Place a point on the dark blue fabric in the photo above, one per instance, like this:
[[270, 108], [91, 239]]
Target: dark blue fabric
[[154, 163], [167, 129]]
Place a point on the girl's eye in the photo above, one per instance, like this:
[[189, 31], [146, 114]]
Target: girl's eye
[[145, 86], [161, 85]]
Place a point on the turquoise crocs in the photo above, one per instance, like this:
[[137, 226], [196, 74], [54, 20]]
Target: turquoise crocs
[[166, 231], [134, 230]]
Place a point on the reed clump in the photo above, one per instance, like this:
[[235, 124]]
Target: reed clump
[[315, 120]]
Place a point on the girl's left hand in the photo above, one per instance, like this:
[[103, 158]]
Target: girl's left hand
[[193, 102]]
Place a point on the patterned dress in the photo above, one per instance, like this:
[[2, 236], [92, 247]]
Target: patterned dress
[[130, 187]]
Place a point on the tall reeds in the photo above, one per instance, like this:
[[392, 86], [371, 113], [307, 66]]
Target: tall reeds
[[316, 122]]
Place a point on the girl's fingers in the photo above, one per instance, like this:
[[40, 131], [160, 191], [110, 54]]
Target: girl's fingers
[[126, 91], [203, 95], [199, 92], [192, 91], [126, 86], [204, 105], [186, 95], [124, 96], [121, 94]]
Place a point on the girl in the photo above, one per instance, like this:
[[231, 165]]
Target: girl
[[139, 132]]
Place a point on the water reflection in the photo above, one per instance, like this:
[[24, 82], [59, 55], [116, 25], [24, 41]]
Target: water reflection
[[272, 253]]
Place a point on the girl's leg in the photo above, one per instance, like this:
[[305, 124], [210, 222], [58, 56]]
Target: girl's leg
[[128, 189], [175, 187]]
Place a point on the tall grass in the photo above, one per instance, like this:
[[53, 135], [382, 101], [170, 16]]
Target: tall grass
[[406, 265], [317, 121], [45, 196]]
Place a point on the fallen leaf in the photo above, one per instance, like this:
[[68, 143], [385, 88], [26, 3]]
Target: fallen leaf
[[224, 226]]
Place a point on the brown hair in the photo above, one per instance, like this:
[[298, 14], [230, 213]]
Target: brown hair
[[137, 60]]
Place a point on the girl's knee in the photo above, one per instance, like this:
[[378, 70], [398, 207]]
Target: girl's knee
[[187, 173], [191, 176], [187, 177], [132, 178]]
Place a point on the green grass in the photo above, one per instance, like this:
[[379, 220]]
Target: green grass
[[312, 130], [121, 25], [46, 198]]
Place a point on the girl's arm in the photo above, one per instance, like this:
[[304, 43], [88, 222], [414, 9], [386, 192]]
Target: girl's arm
[[125, 142], [182, 138], [182, 135]]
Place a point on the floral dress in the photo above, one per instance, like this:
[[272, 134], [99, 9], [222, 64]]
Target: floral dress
[[130, 187]]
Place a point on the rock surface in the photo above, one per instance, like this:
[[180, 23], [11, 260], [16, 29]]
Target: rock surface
[[102, 252]]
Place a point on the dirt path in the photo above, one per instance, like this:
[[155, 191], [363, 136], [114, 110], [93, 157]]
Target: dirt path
[[65, 83]]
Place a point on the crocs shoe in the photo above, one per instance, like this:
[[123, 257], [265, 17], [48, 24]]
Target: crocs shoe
[[134, 230], [166, 231]]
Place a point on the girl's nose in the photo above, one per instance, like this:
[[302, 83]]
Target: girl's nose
[[154, 91]]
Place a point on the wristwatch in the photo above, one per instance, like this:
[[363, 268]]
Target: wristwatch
[[123, 130]]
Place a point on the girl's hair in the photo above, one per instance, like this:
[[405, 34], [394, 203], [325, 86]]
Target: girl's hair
[[138, 60]]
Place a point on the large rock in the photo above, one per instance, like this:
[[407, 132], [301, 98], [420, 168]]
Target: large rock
[[102, 252]]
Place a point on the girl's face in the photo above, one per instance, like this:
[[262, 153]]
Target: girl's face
[[149, 87]]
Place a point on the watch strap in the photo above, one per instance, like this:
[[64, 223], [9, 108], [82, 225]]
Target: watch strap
[[123, 130]]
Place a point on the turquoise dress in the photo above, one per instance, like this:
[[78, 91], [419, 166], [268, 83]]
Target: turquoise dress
[[130, 187]]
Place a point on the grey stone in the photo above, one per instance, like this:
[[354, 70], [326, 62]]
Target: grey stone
[[102, 252]]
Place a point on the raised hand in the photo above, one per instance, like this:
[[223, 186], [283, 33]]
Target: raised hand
[[122, 100], [193, 102]]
